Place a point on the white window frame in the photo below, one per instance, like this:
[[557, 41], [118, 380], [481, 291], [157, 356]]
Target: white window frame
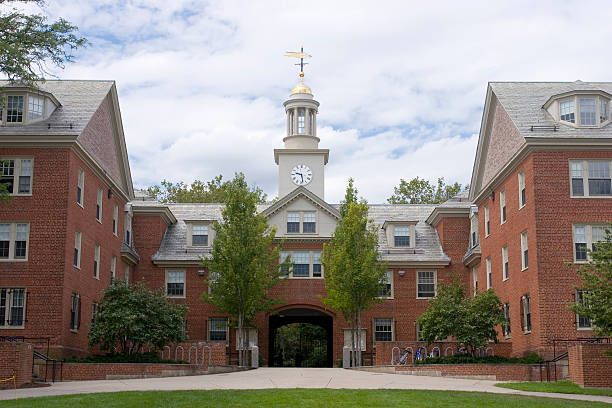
[[435, 282], [502, 206], [506, 309], [474, 230], [201, 225], [388, 281], [208, 327], [31, 100], [78, 239], [526, 311], [303, 218], [487, 221], [126, 273], [17, 169], [4, 320], [75, 307], [588, 239], [99, 200], [115, 219], [127, 230], [505, 263], [406, 231], [524, 248], [168, 272], [489, 274], [81, 186], [577, 114], [374, 331], [347, 337], [97, 251], [475, 280], [579, 299], [521, 187], [584, 163], [311, 264], [12, 239], [113, 267]]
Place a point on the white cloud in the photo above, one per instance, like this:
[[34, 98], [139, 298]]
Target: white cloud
[[401, 84]]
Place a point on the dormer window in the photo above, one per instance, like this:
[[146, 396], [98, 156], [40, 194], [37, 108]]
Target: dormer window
[[582, 110], [199, 235], [400, 233], [35, 107], [14, 108], [25, 106], [402, 236]]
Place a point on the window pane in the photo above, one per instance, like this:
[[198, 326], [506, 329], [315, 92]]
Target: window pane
[[16, 318], [301, 120], [587, 111], [603, 110], [316, 264], [426, 284], [383, 330], [199, 235], [35, 107], [309, 222], [7, 173], [217, 329], [402, 236], [5, 230], [583, 322], [301, 264], [567, 111], [14, 109], [386, 290]]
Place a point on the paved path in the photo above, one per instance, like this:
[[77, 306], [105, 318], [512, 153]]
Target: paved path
[[284, 378]]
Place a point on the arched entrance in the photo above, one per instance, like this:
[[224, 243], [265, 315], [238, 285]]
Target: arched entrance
[[314, 330]]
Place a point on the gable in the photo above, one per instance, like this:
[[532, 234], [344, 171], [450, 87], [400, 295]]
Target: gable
[[325, 222]]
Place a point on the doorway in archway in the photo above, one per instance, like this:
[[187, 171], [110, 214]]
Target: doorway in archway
[[301, 338]]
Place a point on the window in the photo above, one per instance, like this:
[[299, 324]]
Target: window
[[75, 311], [582, 299], [599, 178], [587, 111], [115, 218], [14, 108], [96, 266], [316, 264], [426, 284], [301, 121], [567, 111], [99, 205], [17, 175], [12, 307], [35, 107], [212, 278], [524, 251], [80, 187], [387, 291], [291, 124], [502, 206], [293, 222], [127, 274], [383, 329], [486, 221], [586, 237], [577, 178], [311, 122], [309, 223], [506, 273], [521, 189], [128, 228], [506, 325], [175, 283], [217, 328], [283, 258], [402, 236], [252, 338], [591, 178], [475, 280], [95, 308], [14, 241], [301, 264], [603, 110], [77, 249], [419, 332], [489, 275], [349, 343], [526, 313], [113, 266], [199, 235], [474, 230]]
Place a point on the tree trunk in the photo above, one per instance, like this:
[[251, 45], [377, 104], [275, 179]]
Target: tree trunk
[[239, 339], [358, 337], [352, 359]]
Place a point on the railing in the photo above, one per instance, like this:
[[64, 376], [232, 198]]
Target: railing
[[48, 361], [39, 343], [564, 355]]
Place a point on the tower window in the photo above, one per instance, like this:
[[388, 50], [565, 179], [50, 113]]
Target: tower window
[[291, 129], [311, 122], [301, 120]]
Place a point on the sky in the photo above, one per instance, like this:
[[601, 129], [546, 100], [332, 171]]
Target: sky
[[401, 83]]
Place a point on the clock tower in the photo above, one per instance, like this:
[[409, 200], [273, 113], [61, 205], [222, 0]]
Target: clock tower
[[301, 162]]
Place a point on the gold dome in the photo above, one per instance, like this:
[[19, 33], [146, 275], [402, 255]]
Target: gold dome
[[301, 88]]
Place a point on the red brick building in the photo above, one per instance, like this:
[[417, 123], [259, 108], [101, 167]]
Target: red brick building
[[529, 157]]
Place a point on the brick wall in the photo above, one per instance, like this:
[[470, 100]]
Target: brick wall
[[16, 359], [216, 351], [502, 372], [85, 371], [589, 366], [384, 350]]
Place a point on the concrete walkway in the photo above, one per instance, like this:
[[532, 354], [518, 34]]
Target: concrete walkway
[[284, 378]]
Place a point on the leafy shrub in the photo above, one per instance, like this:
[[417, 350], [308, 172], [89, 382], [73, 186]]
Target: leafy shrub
[[468, 359], [144, 358]]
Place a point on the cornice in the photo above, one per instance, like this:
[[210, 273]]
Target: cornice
[[325, 152], [441, 212], [418, 264], [158, 210]]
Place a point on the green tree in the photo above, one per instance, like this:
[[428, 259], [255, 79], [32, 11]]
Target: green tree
[[28, 43], [349, 197], [597, 287], [213, 191], [133, 316], [421, 191], [4, 194], [354, 273], [243, 260], [470, 320]]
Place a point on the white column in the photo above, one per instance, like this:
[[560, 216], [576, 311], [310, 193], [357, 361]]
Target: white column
[[295, 121]]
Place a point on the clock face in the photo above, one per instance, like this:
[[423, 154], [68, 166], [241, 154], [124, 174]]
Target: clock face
[[301, 175]]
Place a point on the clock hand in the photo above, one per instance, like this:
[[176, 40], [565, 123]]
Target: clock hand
[[302, 176]]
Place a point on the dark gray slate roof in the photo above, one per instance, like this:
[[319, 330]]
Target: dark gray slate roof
[[523, 102], [79, 101], [428, 248]]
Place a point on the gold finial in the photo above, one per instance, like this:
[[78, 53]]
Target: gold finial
[[301, 55]]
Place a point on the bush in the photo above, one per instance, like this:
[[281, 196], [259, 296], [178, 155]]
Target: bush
[[468, 359], [144, 358]]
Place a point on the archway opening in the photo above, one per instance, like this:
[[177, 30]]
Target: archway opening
[[301, 338]]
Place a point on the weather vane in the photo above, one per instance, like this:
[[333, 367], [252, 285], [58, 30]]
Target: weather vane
[[301, 55]]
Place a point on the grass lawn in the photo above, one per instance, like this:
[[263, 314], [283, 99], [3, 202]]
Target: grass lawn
[[298, 398], [566, 387]]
